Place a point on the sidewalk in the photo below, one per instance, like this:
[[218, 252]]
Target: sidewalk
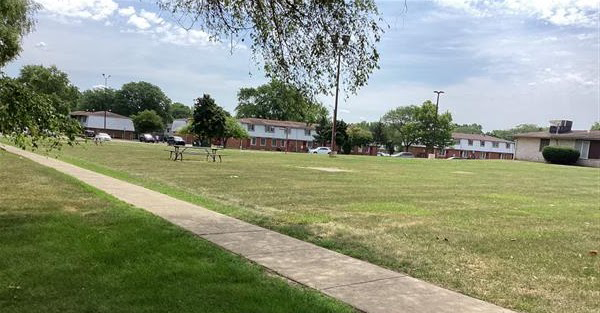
[[365, 286]]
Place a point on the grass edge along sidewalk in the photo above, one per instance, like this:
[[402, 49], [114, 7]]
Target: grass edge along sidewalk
[[68, 247]]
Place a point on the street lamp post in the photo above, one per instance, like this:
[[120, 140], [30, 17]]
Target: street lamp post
[[345, 40], [106, 77], [437, 103]]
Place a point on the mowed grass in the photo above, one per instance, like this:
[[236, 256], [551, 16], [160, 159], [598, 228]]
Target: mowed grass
[[66, 247], [517, 234]]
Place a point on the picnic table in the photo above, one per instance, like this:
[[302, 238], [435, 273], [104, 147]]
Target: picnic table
[[211, 153]]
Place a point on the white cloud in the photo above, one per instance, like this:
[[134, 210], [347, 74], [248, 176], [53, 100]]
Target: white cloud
[[83, 9], [566, 12], [128, 11], [139, 22], [42, 45], [151, 16]]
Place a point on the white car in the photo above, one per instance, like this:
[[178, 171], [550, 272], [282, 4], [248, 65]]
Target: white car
[[102, 137], [406, 155], [320, 150]]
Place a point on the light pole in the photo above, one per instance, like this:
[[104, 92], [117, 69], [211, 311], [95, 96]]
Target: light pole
[[345, 40], [106, 77], [437, 103]]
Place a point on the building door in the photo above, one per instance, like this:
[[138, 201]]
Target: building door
[[583, 146], [594, 152]]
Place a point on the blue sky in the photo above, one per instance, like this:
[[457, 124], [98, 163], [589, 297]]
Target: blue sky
[[501, 63]]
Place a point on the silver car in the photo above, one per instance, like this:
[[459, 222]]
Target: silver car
[[403, 155]]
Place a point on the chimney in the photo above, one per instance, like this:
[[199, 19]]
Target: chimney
[[560, 126]]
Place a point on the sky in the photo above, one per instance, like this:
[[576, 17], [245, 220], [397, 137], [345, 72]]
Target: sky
[[500, 62]]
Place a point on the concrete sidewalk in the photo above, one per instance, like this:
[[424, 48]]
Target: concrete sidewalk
[[365, 286]]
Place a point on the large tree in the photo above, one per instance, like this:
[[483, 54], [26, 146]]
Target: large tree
[[209, 119], [278, 101], [52, 82], [508, 134], [297, 41], [402, 126], [468, 128], [435, 130], [233, 129], [17, 21], [180, 110], [97, 99], [135, 97], [147, 121], [359, 136]]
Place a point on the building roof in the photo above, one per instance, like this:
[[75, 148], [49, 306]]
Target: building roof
[[574, 134], [97, 113], [477, 137], [275, 123]]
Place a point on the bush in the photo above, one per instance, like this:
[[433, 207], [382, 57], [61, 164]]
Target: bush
[[560, 155]]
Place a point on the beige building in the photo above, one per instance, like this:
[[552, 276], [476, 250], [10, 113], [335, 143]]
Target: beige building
[[529, 146]]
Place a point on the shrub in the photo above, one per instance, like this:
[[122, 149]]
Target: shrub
[[560, 155]]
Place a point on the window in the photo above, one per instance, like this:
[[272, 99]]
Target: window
[[482, 143], [253, 141], [508, 145], [287, 130], [274, 142], [307, 132], [250, 127], [544, 143], [583, 146], [470, 142], [495, 144], [269, 129], [263, 141], [457, 142]]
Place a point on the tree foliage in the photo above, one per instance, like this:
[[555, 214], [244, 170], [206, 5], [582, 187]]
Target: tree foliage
[[209, 119], [16, 22], [402, 126], [147, 121], [31, 118], [468, 128], [233, 129], [98, 99], [52, 82], [298, 41], [508, 134], [180, 110], [595, 126], [323, 133], [434, 131], [278, 101], [359, 136], [135, 97]]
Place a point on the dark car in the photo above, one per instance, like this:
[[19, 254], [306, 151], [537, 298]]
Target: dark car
[[147, 138], [175, 141], [89, 133]]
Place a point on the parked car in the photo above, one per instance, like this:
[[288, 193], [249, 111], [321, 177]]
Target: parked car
[[382, 154], [89, 133], [102, 137], [147, 138], [320, 150], [403, 155], [175, 141]]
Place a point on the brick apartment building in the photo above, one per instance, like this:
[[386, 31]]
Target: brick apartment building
[[272, 135], [472, 146]]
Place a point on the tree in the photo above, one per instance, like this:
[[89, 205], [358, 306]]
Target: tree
[[595, 126], [358, 136], [402, 126], [30, 118], [180, 110], [278, 101], [323, 133], [508, 134], [98, 99], [468, 128], [209, 119], [298, 41], [135, 97], [433, 131], [147, 121], [233, 129], [379, 133], [17, 21], [52, 82]]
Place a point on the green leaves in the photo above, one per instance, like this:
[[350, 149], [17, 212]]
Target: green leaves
[[180, 110], [16, 22], [295, 40], [147, 121], [209, 119], [135, 97]]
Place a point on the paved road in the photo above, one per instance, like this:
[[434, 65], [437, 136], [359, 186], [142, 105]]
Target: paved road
[[365, 286]]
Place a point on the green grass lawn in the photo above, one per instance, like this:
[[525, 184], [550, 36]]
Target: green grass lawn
[[513, 233], [66, 247]]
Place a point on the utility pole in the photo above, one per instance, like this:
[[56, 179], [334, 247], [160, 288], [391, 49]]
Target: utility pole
[[437, 103], [106, 77], [345, 40]]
